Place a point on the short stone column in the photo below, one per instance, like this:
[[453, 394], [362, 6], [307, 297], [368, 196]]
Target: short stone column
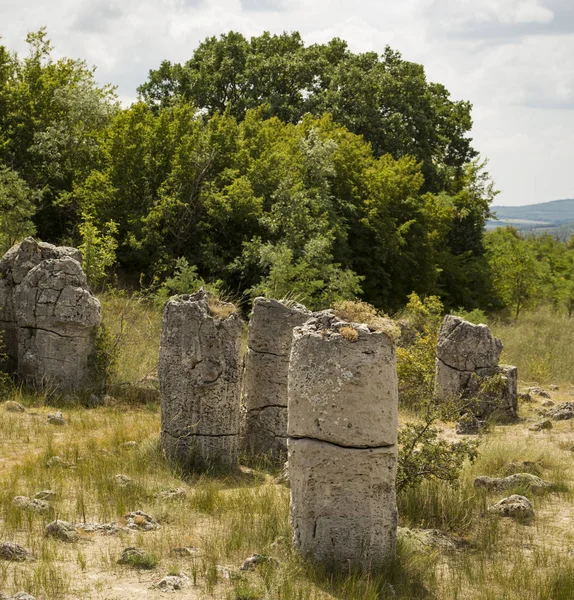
[[57, 319], [265, 376], [200, 381], [14, 266], [467, 355], [343, 404]]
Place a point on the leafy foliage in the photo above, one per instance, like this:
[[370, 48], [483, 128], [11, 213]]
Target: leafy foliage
[[98, 249], [16, 209], [425, 455]]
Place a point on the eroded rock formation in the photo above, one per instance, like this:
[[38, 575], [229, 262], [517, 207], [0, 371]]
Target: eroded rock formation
[[200, 381], [48, 316], [266, 374], [467, 368], [342, 430]]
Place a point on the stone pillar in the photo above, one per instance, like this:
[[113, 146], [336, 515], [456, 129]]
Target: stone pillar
[[200, 380], [265, 376], [57, 319], [48, 316], [343, 404], [14, 266], [467, 355]]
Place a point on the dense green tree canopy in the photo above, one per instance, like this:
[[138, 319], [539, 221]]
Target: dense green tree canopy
[[265, 166]]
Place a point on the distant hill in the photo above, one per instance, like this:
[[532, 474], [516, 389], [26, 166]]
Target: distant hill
[[555, 217]]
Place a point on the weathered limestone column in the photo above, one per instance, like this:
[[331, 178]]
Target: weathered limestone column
[[48, 316], [200, 381], [265, 376], [343, 404], [57, 319], [466, 356], [14, 266]]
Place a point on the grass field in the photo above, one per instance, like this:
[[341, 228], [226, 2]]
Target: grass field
[[213, 524]]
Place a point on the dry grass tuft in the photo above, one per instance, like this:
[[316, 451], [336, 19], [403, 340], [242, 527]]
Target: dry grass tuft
[[357, 311], [220, 309], [349, 333]]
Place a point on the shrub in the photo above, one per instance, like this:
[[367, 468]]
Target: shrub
[[424, 455], [98, 249], [184, 280]]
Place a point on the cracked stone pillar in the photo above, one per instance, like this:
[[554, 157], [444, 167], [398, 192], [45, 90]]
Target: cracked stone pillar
[[48, 316], [200, 380], [343, 404], [466, 356], [57, 319], [14, 266], [265, 376]]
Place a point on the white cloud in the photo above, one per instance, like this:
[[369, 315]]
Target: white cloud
[[513, 59]]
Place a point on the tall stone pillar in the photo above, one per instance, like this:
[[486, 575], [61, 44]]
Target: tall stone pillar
[[266, 374], [200, 381], [343, 404]]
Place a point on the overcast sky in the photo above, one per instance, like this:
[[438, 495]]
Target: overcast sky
[[512, 59]]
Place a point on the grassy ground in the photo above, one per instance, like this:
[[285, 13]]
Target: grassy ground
[[222, 521]]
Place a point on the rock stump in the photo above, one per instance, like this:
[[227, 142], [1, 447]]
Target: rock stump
[[467, 356], [266, 374], [49, 317], [200, 381], [343, 402]]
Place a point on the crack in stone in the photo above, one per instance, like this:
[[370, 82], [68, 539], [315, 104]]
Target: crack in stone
[[292, 437]]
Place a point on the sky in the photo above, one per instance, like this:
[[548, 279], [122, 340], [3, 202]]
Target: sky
[[512, 59]]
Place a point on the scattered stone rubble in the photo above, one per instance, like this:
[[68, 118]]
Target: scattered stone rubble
[[48, 316], [265, 376], [515, 506], [523, 480], [342, 428], [200, 380], [13, 552], [62, 530], [466, 366]]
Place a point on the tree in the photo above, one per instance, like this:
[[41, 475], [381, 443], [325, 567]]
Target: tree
[[517, 274], [54, 116], [17, 207]]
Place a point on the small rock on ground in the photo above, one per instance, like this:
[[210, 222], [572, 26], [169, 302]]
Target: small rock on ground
[[172, 583], [523, 466], [517, 480], [62, 530], [515, 506], [187, 551], [469, 425], [58, 461], [547, 403], [12, 406], [253, 561], [14, 552], [538, 391], [140, 520], [103, 528], [562, 412], [543, 425], [45, 495], [56, 418], [172, 494], [25, 503], [123, 480], [426, 538], [134, 557]]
